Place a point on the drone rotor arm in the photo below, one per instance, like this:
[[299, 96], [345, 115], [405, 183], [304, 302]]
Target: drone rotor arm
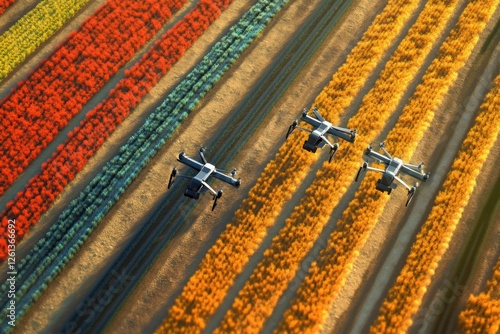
[[379, 157], [311, 120], [226, 178], [328, 142], [184, 176], [418, 174], [317, 114], [403, 183], [346, 134], [303, 129], [196, 165], [382, 146], [209, 188], [202, 156], [413, 166], [375, 169]]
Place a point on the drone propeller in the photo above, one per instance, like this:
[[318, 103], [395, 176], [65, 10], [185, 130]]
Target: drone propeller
[[216, 197]]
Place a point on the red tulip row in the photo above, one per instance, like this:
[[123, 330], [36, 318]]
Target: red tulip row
[[70, 158], [482, 312], [34, 113], [4, 4]]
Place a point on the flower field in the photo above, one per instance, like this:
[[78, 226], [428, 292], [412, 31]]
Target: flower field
[[281, 175], [432, 241], [305, 228], [335, 261], [102, 120], [34, 113], [482, 312], [32, 30], [91, 129]]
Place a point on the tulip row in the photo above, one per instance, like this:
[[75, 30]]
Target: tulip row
[[4, 4], [271, 277], [482, 312], [433, 239], [51, 253], [481, 316], [34, 28], [99, 123], [332, 266], [328, 274], [34, 113], [225, 260]]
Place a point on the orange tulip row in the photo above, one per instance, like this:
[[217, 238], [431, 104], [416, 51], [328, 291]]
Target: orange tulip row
[[328, 274], [432, 241], [207, 288], [482, 312], [272, 276]]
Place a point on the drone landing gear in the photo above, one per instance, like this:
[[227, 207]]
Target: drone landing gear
[[362, 168], [291, 128], [216, 197], [333, 150], [172, 177], [411, 192]]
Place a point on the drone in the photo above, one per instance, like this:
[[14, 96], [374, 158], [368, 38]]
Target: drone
[[198, 182], [394, 166], [317, 138]]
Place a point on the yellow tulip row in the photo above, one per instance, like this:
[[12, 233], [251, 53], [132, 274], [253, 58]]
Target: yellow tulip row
[[482, 312], [406, 294], [282, 260], [31, 30], [207, 288]]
